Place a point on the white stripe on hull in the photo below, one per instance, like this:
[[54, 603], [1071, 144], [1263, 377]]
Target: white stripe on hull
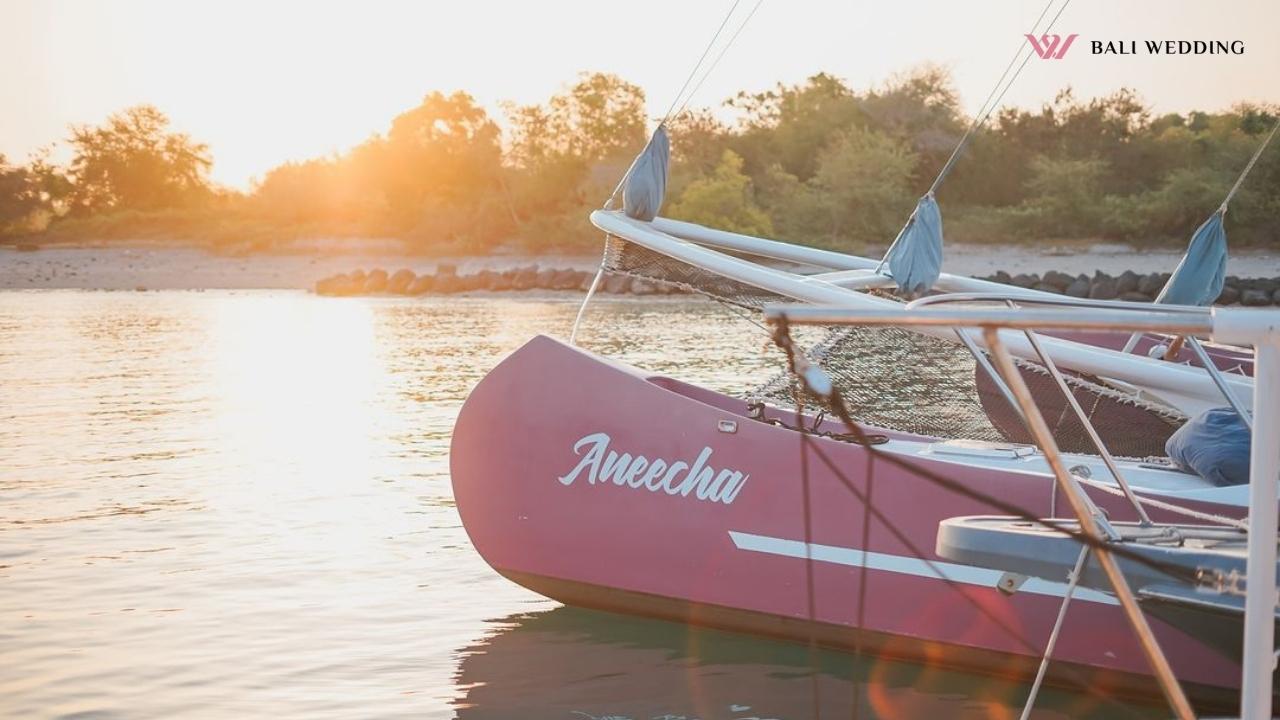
[[904, 565]]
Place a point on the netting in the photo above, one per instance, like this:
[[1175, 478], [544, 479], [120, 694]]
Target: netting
[[901, 380], [628, 258]]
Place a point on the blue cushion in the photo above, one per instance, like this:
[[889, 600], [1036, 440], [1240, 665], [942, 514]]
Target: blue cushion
[[1213, 445]]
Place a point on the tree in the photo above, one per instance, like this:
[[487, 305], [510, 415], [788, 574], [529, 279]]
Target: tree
[[133, 162], [446, 151], [865, 178], [566, 156], [600, 117], [30, 194], [698, 143], [723, 200], [19, 195], [1067, 197], [787, 125]]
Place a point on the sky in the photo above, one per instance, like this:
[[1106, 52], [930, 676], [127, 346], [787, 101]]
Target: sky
[[266, 81]]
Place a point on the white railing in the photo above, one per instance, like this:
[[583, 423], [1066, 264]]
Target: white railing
[[1257, 328]]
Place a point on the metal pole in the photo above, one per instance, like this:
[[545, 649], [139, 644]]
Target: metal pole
[[1220, 381], [1075, 496], [1107, 459], [981, 358], [1260, 570]]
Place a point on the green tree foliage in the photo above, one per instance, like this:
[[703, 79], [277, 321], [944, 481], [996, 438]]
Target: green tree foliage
[[565, 157], [723, 199], [818, 161], [30, 195], [860, 191], [865, 178], [19, 195], [133, 162], [787, 125]]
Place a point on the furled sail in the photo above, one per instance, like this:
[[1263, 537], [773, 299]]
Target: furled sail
[[1200, 274], [647, 182], [915, 260]]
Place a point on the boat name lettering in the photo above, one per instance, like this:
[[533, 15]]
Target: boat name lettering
[[601, 465]]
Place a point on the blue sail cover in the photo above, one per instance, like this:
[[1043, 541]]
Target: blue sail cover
[[1214, 445], [1200, 274], [647, 184], [916, 259]]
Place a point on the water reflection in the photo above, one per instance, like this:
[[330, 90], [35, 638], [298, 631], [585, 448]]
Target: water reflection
[[227, 504], [568, 663]]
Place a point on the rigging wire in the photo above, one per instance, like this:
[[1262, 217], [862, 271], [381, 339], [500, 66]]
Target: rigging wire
[[991, 108], [719, 56], [983, 110], [841, 410], [810, 594], [681, 93], [980, 118], [783, 338], [1012, 631], [608, 203], [701, 58], [1249, 167], [1074, 579]]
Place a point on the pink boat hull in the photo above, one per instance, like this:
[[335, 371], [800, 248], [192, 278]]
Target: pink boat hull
[[736, 558]]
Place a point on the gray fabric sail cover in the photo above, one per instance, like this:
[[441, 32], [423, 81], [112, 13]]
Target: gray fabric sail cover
[[916, 259], [1200, 274], [647, 183]]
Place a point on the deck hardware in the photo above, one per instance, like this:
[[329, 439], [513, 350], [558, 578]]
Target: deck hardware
[[1010, 582], [727, 426]]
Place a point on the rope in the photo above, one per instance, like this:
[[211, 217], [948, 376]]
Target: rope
[[980, 118], [990, 106], [1169, 507], [1249, 168], [608, 203], [783, 339], [711, 68], [701, 59], [810, 594], [1074, 579]]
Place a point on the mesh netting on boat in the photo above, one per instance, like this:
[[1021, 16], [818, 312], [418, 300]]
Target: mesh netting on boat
[[628, 258], [902, 380]]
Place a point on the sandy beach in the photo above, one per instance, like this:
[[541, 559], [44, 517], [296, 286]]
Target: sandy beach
[[175, 268]]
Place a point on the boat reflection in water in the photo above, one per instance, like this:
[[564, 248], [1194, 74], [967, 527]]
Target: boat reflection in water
[[573, 664]]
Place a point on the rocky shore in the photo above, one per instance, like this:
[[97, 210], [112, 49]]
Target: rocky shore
[[1097, 270], [1135, 287], [446, 279]]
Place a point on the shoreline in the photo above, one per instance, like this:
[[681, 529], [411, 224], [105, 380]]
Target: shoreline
[[190, 268]]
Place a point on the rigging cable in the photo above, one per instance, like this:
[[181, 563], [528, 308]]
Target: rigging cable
[[783, 338], [1249, 167], [984, 113], [595, 282], [836, 402], [1073, 579], [993, 105]]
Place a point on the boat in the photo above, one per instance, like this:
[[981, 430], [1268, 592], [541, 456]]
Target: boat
[[609, 487], [602, 486], [1190, 576], [605, 486], [1218, 584]]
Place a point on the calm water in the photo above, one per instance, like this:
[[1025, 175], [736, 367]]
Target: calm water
[[233, 504]]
